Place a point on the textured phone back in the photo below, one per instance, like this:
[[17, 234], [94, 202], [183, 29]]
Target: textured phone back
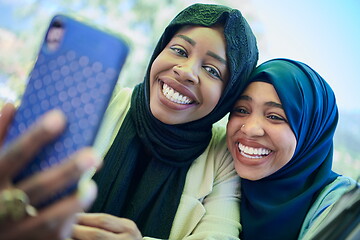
[[77, 78]]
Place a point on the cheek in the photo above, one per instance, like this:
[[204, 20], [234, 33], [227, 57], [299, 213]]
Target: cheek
[[287, 143], [212, 93], [231, 126], [154, 67], [232, 132], [292, 145], [160, 63], [229, 132]]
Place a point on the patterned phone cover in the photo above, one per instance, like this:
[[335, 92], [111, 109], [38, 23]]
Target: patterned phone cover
[[78, 78]]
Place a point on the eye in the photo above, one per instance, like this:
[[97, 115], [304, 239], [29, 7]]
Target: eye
[[179, 51], [240, 111], [213, 72], [277, 118]]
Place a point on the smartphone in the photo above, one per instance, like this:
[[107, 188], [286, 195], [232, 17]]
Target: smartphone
[[76, 71]]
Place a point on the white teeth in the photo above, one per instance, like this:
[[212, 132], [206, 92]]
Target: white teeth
[[175, 96], [250, 152]]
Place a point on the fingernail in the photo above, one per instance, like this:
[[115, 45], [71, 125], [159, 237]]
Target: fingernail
[[88, 159], [54, 121], [87, 191]]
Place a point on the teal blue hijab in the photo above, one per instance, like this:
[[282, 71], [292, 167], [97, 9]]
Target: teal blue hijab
[[275, 207]]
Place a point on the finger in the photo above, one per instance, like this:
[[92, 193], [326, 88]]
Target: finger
[[55, 221], [108, 222], [91, 233], [86, 194], [43, 185], [81, 232], [6, 115], [24, 148]]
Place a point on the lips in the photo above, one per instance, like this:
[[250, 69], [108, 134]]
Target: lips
[[174, 96], [253, 153]]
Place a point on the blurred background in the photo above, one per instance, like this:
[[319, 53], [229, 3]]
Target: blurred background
[[325, 34]]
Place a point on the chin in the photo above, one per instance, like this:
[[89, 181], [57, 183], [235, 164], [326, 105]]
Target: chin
[[164, 117], [249, 174], [250, 178]]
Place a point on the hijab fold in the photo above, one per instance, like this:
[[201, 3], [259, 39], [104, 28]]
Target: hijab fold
[[145, 168], [275, 207]]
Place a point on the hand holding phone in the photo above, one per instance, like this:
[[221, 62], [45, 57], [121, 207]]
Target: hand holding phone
[[76, 71]]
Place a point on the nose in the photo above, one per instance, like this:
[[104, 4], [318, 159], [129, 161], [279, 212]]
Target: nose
[[187, 72], [252, 128]]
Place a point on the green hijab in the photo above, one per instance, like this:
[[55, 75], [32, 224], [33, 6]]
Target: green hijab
[[145, 169]]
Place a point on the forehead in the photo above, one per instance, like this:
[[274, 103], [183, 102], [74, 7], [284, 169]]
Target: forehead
[[217, 27], [213, 33], [260, 92]]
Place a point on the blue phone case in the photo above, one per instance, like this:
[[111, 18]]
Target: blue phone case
[[78, 77]]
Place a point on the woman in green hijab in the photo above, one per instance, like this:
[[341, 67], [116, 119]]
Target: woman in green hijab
[[166, 167]]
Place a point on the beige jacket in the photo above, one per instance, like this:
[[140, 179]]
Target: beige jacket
[[209, 205]]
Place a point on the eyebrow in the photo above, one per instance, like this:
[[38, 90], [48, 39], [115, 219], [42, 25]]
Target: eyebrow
[[186, 38], [217, 57], [210, 53], [274, 104], [269, 104]]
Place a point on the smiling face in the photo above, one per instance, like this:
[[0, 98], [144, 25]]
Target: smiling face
[[258, 134], [188, 77]]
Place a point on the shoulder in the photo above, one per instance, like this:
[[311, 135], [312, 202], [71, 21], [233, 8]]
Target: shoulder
[[332, 192], [121, 96], [214, 165], [324, 203], [216, 154], [209, 205], [113, 118], [218, 140]]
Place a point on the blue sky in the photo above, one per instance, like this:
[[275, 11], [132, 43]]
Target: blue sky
[[325, 34], [6, 15]]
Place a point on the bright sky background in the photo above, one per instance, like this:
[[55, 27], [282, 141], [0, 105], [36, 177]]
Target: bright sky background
[[325, 34]]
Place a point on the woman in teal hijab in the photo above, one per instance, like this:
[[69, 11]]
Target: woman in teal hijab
[[280, 134], [167, 168]]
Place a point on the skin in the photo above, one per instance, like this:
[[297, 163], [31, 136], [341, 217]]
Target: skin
[[194, 64], [258, 121], [93, 226], [56, 220]]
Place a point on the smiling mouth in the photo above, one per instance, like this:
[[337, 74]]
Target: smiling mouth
[[255, 153], [174, 96]]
